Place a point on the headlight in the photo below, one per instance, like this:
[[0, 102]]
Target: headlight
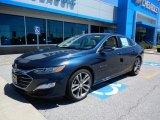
[[49, 70]]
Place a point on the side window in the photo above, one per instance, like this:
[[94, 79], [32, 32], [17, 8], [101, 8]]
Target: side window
[[124, 42], [112, 42]]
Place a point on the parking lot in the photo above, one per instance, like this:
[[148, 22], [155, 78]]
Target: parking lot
[[123, 98]]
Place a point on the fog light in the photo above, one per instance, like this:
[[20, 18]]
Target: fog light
[[45, 86]]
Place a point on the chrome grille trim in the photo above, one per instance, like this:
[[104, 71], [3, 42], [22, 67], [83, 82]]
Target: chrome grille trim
[[23, 82]]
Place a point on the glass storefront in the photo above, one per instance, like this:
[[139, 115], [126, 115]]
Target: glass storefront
[[31, 37], [19, 30], [101, 29], [54, 31], [95, 29], [12, 31], [82, 28], [140, 34], [71, 29]]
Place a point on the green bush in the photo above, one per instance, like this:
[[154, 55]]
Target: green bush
[[158, 48], [146, 45]]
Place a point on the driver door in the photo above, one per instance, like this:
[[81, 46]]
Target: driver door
[[112, 60]]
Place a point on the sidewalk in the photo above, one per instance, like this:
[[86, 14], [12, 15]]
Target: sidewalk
[[8, 59], [151, 51], [15, 107]]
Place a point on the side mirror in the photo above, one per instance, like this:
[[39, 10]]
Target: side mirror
[[107, 49]]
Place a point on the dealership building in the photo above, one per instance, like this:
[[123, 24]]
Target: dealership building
[[27, 24]]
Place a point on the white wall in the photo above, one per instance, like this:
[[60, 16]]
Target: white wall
[[90, 8], [13, 10]]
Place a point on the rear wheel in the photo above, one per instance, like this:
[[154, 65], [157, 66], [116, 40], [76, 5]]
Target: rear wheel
[[79, 85], [136, 67]]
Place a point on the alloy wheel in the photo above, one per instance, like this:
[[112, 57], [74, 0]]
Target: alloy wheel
[[81, 85], [137, 65]]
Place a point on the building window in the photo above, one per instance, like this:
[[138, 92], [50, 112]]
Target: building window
[[103, 29], [54, 31], [69, 30], [12, 30], [82, 28], [72, 29], [31, 36], [94, 29], [107, 30]]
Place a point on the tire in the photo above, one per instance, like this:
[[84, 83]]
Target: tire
[[136, 67], [79, 85]]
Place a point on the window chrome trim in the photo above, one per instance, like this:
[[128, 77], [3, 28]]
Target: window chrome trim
[[116, 48], [105, 41]]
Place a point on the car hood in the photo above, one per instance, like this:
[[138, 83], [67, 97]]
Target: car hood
[[47, 57]]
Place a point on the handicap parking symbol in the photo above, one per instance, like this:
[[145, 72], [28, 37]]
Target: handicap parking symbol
[[152, 64], [109, 90], [37, 30]]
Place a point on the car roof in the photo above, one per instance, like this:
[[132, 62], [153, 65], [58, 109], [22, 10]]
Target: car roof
[[106, 34]]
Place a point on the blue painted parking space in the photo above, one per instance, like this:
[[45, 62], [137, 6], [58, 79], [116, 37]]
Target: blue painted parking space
[[109, 90], [152, 64]]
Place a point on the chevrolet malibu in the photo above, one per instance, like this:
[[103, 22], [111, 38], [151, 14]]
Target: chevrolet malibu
[[72, 67]]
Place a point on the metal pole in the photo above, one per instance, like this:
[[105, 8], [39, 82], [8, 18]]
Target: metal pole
[[37, 41], [0, 40], [25, 30]]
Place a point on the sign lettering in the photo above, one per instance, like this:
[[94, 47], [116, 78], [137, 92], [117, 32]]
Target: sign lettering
[[148, 5], [72, 3]]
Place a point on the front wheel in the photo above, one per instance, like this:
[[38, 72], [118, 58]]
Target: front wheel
[[136, 67], [79, 85]]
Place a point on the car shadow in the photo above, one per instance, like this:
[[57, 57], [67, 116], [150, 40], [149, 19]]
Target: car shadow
[[44, 104], [40, 104], [10, 92]]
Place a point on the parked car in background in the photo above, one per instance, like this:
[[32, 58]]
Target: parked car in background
[[75, 65]]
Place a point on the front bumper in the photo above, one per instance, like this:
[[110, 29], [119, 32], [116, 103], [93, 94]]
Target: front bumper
[[27, 82]]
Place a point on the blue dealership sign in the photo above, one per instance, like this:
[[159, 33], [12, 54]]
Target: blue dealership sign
[[109, 90]]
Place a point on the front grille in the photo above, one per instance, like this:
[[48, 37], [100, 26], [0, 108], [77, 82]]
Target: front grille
[[23, 80]]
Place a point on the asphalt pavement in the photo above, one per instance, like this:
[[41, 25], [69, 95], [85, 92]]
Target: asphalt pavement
[[123, 98]]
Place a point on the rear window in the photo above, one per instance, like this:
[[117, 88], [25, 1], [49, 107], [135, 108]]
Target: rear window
[[126, 42]]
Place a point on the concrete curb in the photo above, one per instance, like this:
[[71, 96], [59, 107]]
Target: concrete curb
[[12, 109], [151, 51]]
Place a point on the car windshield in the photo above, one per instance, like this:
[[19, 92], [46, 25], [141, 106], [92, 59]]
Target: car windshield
[[82, 42]]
